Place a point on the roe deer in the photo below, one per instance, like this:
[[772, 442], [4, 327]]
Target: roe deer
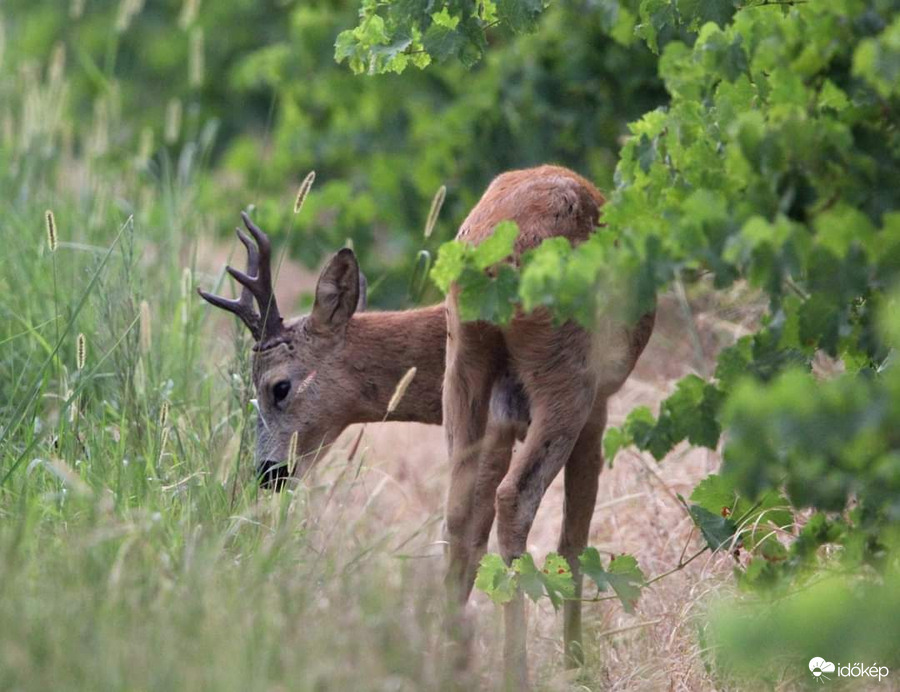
[[528, 380]]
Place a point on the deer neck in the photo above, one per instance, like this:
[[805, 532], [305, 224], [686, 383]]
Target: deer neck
[[383, 346]]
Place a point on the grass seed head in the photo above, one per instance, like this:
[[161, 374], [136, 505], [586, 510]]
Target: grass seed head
[[436, 205], [145, 147], [173, 121], [80, 352], [292, 453], [196, 62], [304, 191], [189, 12], [52, 240], [127, 11], [164, 414], [402, 386], [76, 9]]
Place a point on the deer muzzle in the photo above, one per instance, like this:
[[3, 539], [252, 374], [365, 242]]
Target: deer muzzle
[[272, 474]]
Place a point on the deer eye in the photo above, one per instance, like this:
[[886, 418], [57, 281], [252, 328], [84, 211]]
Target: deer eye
[[280, 390]]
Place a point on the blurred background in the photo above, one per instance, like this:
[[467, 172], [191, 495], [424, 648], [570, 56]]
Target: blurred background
[[245, 97]]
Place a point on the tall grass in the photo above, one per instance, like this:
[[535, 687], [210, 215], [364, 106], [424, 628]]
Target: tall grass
[[136, 551]]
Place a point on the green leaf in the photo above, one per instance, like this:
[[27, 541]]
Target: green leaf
[[442, 42], [443, 18], [831, 96], [772, 508], [483, 297], [496, 247], [554, 580], [877, 60], [649, 434], [529, 578], [692, 413], [557, 578], [715, 494], [623, 575], [655, 15], [843, 226], [696, 13], [718, 531], [519, 16], [495, 579], [613, 440], [347, 48], [720, 54], [372, 31], [618, 20], [449, 265]]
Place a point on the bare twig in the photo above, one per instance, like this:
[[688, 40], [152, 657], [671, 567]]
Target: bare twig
[[620, 630], [680, 566]]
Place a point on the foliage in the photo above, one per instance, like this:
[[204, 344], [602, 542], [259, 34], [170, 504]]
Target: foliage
[[770, 157], [622, 575], [136, 551], [500, 581], [392, 35], [485, 295], [777, 162], [381, 145]]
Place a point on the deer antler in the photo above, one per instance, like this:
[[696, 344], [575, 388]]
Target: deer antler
[[257, 283]]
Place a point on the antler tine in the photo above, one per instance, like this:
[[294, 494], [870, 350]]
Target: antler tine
[[243, 308], [261, 238], [257, 283], [252, 253], [261, 283]]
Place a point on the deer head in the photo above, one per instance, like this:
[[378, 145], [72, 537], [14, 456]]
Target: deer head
[[302, 372]]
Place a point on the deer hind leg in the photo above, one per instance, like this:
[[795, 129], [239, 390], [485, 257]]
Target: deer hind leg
[[554, 366], [581, 482], [493, 464], [474, 350]]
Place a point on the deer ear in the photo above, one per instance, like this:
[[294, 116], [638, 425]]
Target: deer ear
[[363, 300], [338, 293]]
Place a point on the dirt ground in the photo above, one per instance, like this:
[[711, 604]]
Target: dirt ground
[[637, 513], [405, 476]]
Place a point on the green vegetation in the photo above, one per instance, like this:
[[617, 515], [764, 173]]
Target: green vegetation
[[763, 148], [776, 162]]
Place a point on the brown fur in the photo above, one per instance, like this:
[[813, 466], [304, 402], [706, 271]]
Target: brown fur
[[530, 380], [567, 374], [356, 369]]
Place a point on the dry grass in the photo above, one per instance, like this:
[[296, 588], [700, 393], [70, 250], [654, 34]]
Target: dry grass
[[403, 478]]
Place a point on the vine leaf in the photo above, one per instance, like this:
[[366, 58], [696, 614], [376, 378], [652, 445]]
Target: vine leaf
[[497, 247], [555, 579], [717, 530], [718, 495], [500, 581], [623, 575], [496, 579]]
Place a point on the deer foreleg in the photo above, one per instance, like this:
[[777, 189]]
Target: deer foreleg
[[581, 481]]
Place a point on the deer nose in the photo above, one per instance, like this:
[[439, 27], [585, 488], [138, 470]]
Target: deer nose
[[271, 474]]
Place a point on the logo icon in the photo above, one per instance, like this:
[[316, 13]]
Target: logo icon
[[818, 666]]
